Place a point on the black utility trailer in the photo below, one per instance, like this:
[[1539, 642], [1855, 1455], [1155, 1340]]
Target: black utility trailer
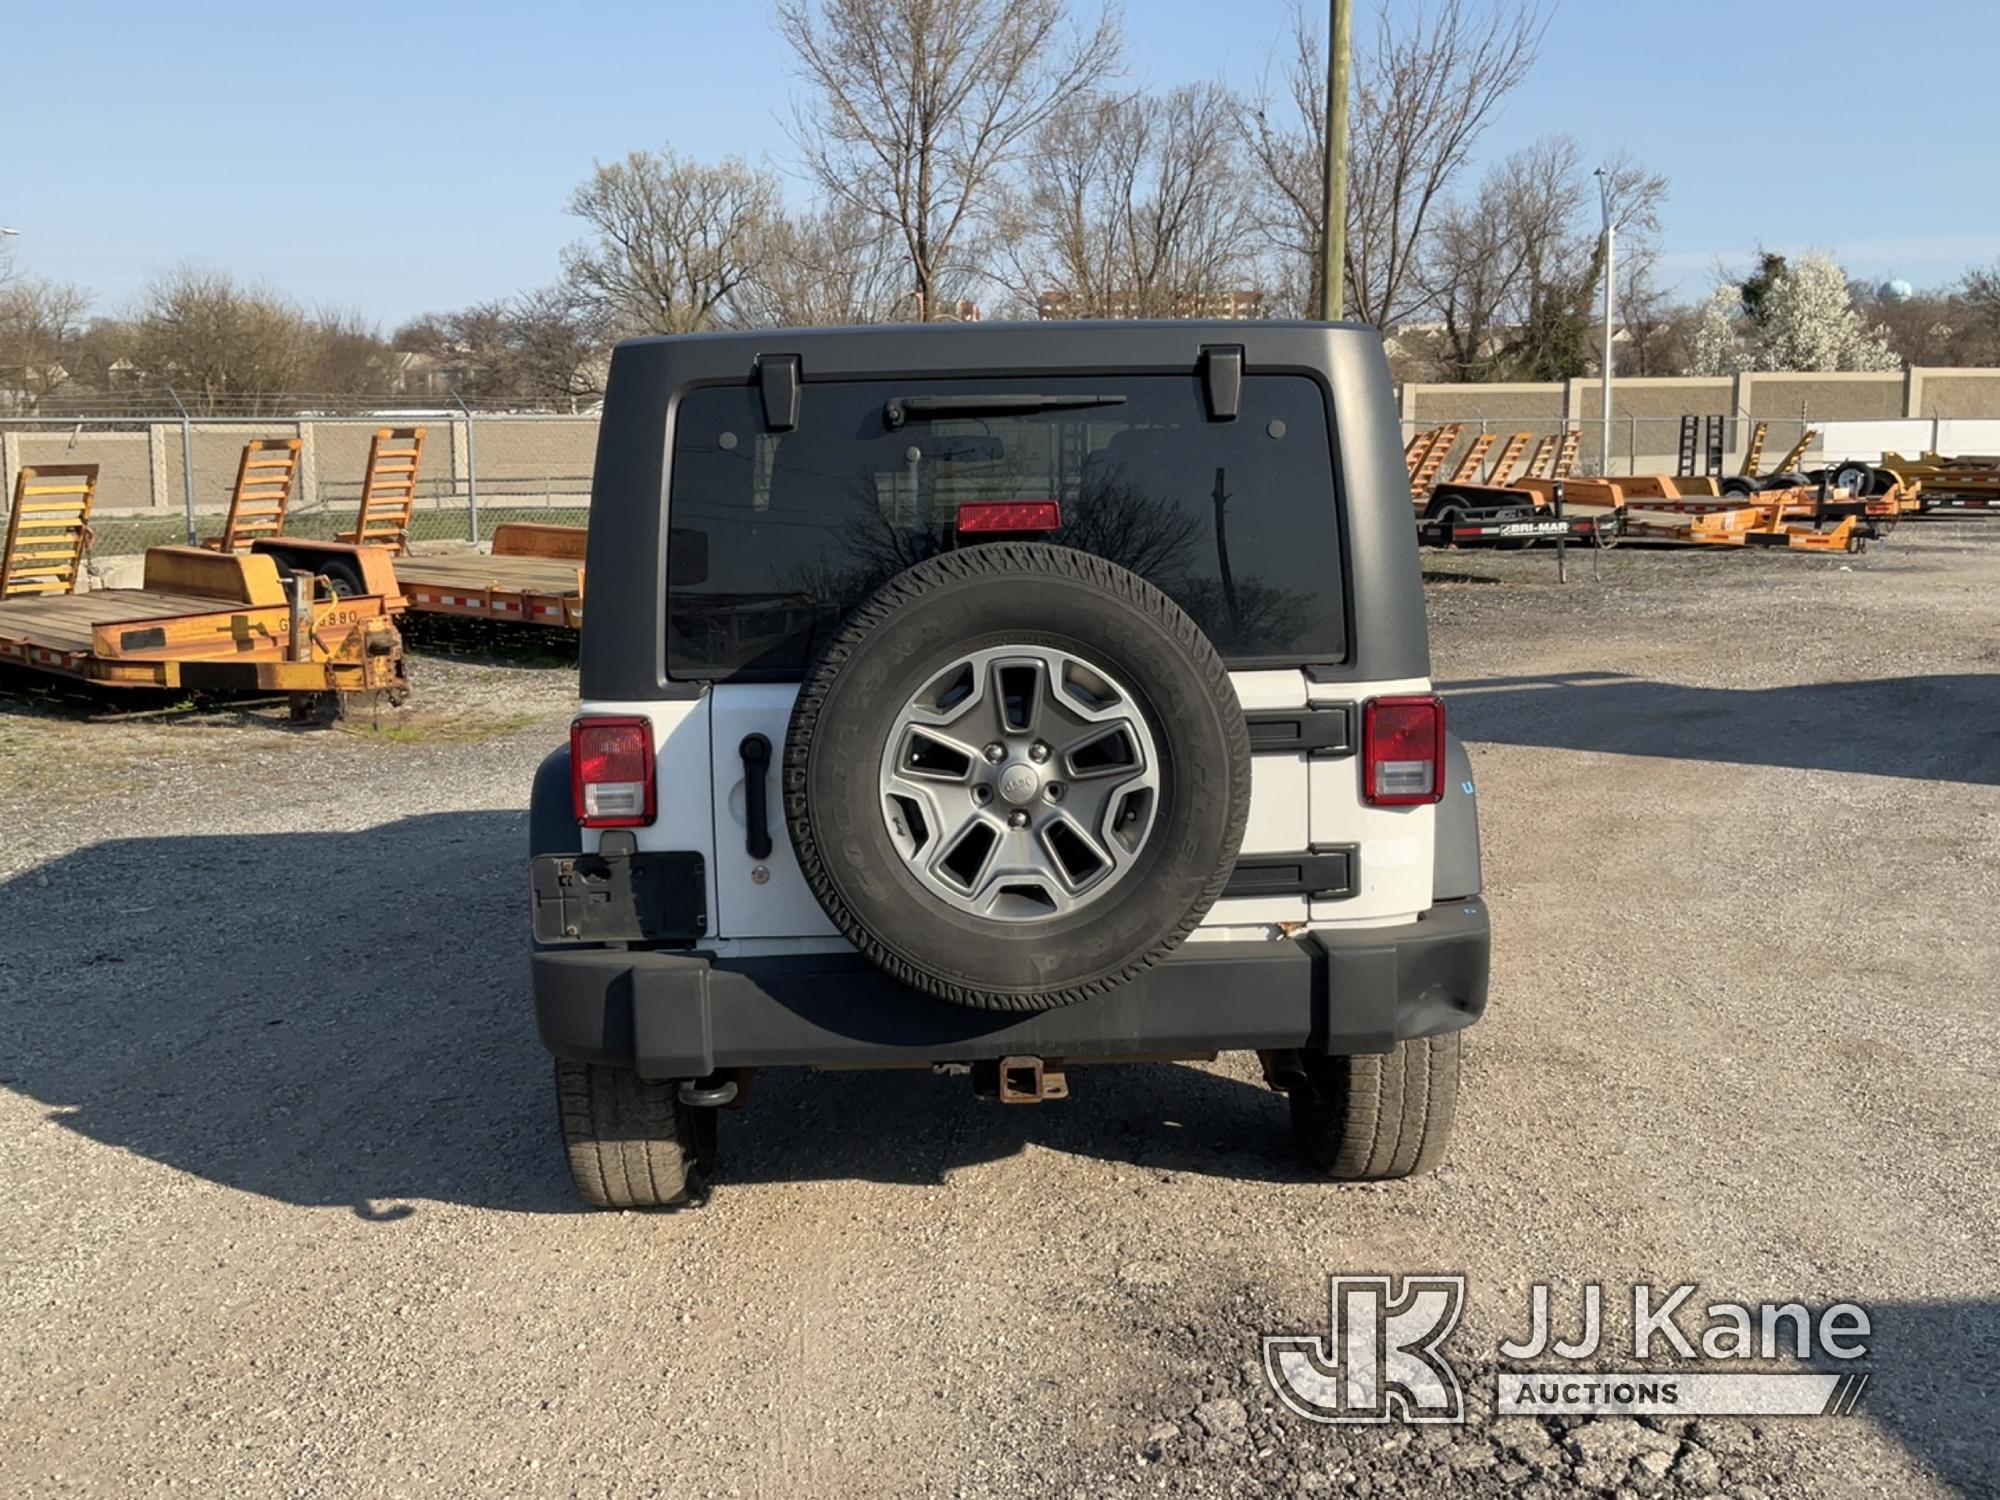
[[1474, 515]]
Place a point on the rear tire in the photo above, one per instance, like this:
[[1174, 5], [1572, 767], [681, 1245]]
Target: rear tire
[[631, 1142], [1378, 1116]]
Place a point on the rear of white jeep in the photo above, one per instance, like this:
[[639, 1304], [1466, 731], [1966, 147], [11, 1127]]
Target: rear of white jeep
[[999, 700]]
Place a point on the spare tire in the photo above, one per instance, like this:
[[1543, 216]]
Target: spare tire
[[1017, 776]]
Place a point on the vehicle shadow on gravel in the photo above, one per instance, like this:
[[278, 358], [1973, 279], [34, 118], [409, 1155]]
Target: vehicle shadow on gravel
[[343, 1019], [321, 1018], [1944, 728], [914, 1128], [1935, 1374]]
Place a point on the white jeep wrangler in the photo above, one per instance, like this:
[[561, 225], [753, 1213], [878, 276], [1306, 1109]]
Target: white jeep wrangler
[[1003, 698]]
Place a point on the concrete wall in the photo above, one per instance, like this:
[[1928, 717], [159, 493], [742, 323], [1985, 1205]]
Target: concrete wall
[[1525, 405], [124, 460], [1821, 398], [1954, 393], [218, 448], [1645, 419], [534, 459]]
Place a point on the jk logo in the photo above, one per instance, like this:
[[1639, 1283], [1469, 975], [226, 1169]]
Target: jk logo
[[1382, 1360]]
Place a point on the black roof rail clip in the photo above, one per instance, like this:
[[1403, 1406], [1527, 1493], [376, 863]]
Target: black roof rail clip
[[1222, 380], [778, 375]]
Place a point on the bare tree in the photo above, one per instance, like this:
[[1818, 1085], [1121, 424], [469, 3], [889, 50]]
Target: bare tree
[[1655, 327], [1471, 273], [1978, 302], [41, 331], [1134, 207], [1514, 272], [544, 347], [919, 106], [345, 354], [675, 239], [831, 266], [228, 347], [1423, 93], [222, 345], [101, 358], [560, 346]]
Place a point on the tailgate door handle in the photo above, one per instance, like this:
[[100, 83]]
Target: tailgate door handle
[[756, 753]]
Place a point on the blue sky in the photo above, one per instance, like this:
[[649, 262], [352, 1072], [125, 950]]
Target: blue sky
[[402, 157]]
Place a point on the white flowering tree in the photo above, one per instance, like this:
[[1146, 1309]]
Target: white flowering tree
[[1716, 347], [1805, 319], [1810, 322]]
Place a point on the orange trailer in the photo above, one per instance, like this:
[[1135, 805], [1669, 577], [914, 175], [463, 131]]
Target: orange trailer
[[534, 576]]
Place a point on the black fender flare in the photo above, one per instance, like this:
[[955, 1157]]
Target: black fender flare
[[552, 826], [1455, 872]]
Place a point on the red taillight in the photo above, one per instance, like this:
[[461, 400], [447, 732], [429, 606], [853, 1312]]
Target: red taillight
[[611, 772], [1402, 751], [1022, 517]]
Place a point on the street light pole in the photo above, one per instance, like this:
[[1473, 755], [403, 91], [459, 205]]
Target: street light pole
[[1610, 278], [1333, 241]]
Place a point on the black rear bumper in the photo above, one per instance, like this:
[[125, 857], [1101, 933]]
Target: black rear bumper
[[685, 1015]]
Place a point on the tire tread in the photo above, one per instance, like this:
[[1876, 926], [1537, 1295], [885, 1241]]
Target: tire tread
[[1374, 1117], [630, 1142]]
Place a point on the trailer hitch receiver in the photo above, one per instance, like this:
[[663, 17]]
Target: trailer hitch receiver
[[1022, 1080]]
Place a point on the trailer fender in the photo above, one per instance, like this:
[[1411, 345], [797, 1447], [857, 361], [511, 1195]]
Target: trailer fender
[[1455, 868]]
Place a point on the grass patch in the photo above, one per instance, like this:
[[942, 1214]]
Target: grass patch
[[469, 730]]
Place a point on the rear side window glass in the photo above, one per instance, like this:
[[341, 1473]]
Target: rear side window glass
[[779, 535]]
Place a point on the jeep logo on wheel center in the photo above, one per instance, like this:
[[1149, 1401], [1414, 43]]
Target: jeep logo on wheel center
[[1085, 685], [1020, 784]]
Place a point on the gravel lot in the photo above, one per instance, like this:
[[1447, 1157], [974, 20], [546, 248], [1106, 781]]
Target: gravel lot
[[286, 1213]]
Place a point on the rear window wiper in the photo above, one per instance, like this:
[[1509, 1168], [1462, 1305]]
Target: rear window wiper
[[900, 409]]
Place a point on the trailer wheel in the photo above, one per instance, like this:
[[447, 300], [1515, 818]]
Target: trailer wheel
[[1855, 478], [1378, 1115], [1738, 485], [1447, 516], [343, 580], [631, 1142]]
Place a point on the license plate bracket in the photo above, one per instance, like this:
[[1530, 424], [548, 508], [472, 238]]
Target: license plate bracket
[[658, 896]]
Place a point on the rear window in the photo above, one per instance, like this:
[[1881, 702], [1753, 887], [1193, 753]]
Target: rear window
[[778, 536]]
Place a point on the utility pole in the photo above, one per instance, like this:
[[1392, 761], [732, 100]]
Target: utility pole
[[1610, 279], [1333, 272]]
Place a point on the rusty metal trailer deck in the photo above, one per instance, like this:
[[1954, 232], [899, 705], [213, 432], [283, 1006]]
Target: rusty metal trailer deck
[[533, 576]]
